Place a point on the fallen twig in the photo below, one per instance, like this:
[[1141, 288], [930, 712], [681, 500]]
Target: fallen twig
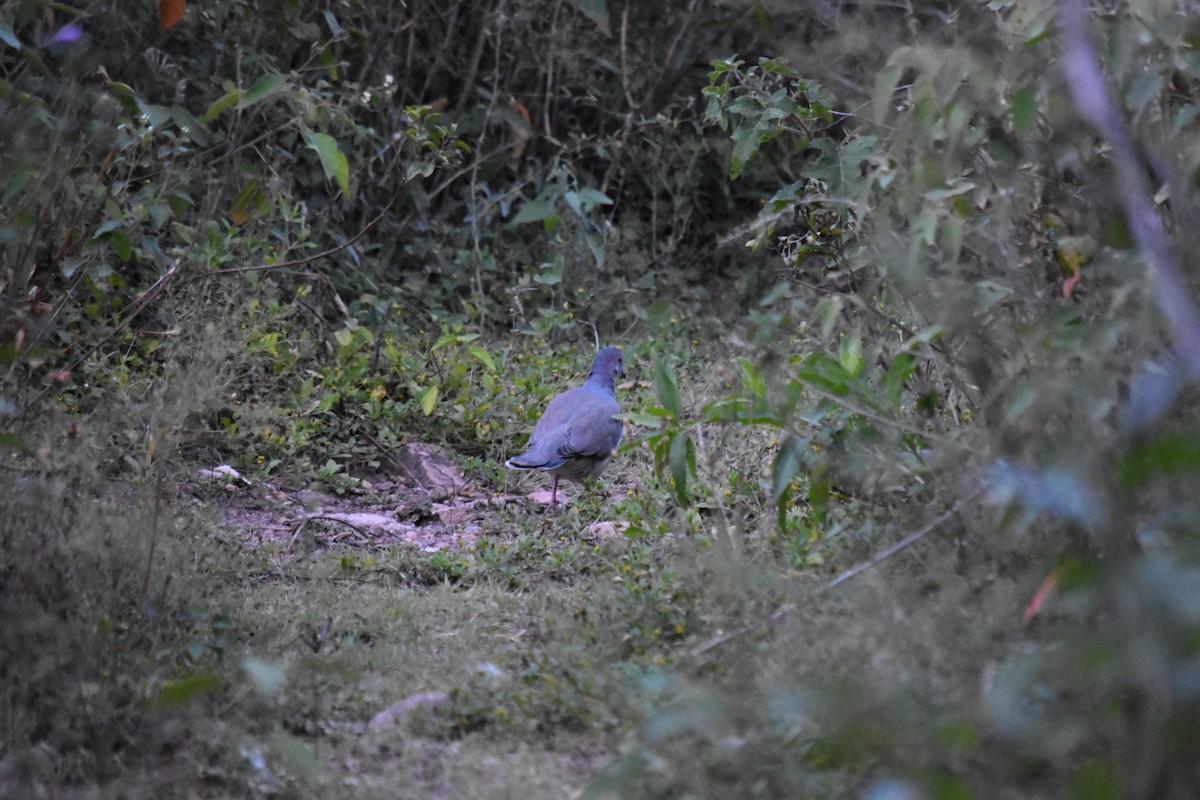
[[900, 545], [717, 641]]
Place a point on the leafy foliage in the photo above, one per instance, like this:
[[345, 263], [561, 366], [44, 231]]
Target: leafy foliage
[[875, 287], [934, 359]]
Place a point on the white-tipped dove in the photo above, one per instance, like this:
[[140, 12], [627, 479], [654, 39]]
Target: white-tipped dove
[[577, 434]]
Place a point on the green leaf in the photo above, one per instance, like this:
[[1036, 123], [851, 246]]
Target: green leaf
[[573, 202], [948, 787], [679, 458], [756, 385], [748, 137], [7, 36], [268, 677], [429, 399], [958, 734], [179, 202], [125, 95], [649, 418], [178, 692], [594, 197], [937, 195], [1024, 109], [221, 105], [787, 464], [333, 160], [850, 355], [1145, 88], [829, 310], [535, 210], [335, 27], [106, 227], [924, 337], [713, 112], [950, 237], [668, 390], [901, 367], [443, 340], [121, 244], [723, 65], [249, 199], [297, 756], [13, 442], [156, 115], [1095, 780], [822, 372], [774, 66], [262, 88], [818, 495], [596, 11], [1174, 454], [483, 357], [885, 87], [18, 177]]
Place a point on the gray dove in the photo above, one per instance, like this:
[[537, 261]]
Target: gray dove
[[577, 434]]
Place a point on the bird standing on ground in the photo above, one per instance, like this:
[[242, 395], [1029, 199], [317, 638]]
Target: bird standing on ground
[[577, 434]]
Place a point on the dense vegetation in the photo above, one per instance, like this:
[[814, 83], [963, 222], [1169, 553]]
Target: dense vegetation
[[907, 295]]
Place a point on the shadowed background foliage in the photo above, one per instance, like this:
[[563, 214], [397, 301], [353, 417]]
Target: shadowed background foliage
[[872, 278]]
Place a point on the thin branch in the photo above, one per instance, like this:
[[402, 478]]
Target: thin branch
[[548, 104], [316, 256], [900, 545], [493, 99], [721, 639]]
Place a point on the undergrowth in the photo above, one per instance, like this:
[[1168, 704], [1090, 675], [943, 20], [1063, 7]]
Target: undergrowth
[[905, 504]]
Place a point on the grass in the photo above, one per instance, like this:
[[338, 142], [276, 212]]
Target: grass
[[686, 655], [231, 669], [543, 645], [670, 636]]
